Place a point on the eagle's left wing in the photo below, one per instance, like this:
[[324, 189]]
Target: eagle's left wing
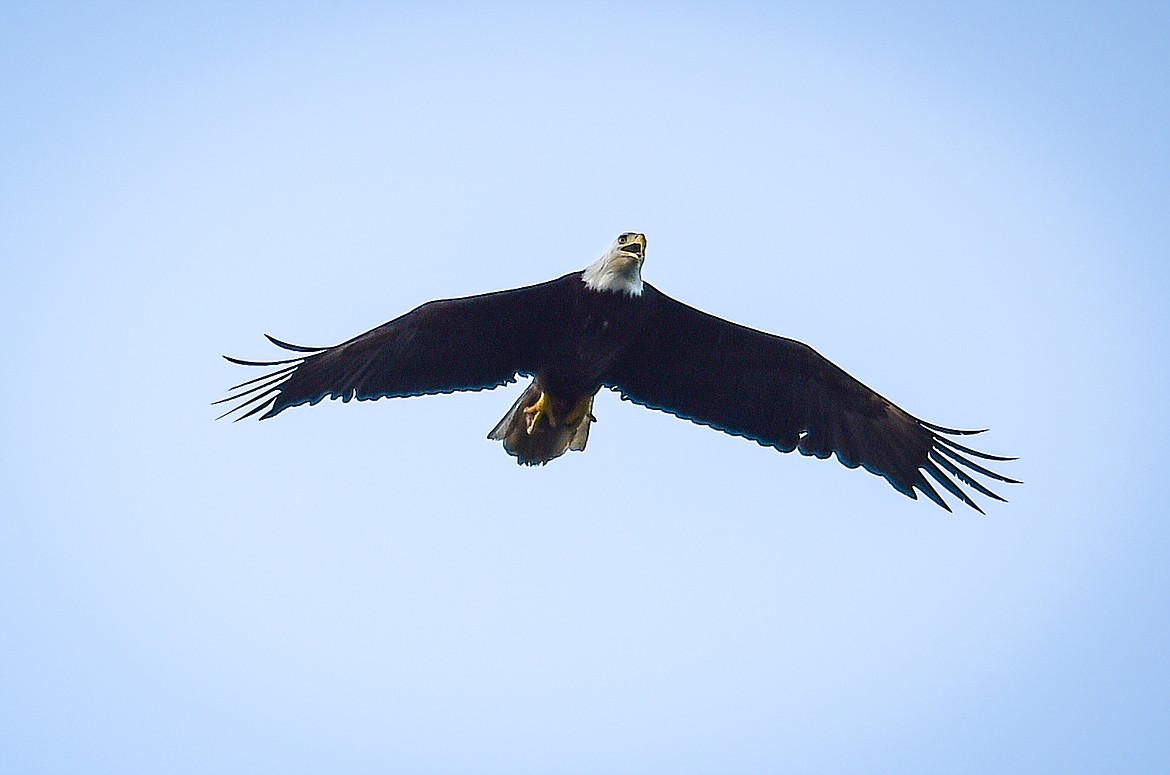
[[783, 394]]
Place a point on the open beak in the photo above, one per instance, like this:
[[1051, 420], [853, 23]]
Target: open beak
[[636, 245]]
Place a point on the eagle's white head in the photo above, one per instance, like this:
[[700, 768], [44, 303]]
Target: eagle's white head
[[620, 268]]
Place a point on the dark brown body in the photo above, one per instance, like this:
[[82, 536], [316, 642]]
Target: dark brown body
[[551, 417]]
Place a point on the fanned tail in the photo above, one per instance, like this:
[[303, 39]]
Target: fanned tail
[[536, 439]]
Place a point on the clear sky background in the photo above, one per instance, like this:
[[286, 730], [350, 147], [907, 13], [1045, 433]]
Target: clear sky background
[[966, 205]]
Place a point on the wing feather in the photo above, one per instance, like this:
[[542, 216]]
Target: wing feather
[[782, 393]]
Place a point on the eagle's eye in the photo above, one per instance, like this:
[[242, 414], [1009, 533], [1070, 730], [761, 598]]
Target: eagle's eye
[[622, 240]]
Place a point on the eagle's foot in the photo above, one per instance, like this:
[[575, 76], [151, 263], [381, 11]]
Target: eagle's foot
[[542, 409]]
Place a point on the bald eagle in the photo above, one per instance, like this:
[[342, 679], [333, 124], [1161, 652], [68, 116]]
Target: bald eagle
[[605, 327]]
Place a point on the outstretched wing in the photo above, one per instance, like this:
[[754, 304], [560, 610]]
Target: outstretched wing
[[782, 393], [470, 343]]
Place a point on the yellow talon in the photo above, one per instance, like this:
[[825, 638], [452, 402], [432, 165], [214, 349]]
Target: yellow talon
[[541, 409]]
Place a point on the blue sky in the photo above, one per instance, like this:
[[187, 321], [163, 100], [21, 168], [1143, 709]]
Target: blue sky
[[963, 204]]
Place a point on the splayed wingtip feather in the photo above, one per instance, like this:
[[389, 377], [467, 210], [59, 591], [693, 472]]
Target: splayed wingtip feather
[[975, 452], [296, 348], [929, 491], [952, 431], [949, 484], [953, 455], [963, 476]]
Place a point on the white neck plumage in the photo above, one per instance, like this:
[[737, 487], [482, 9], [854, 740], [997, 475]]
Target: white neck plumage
[[617, 270]]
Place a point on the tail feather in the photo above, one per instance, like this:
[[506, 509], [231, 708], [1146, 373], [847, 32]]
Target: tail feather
[[538, 444]]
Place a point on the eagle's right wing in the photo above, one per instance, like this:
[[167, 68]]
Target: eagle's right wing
[[470, 343]]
